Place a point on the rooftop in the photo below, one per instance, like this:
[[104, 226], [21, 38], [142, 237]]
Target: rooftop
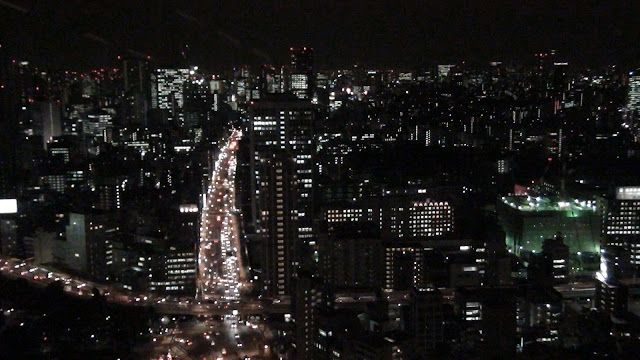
[[548, 203]]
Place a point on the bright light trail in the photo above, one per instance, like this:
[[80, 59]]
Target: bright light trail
[[221, 272]]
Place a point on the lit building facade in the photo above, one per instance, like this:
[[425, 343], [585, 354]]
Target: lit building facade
[[634, 91], [622, 222], [88, 247], [613, 280], [398, 217], [279, 224], [282, 123], [167, 91], [174, 271], [403, 266], [302, 75], [97, 124]]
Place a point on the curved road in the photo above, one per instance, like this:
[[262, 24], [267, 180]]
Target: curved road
[[221, 272]]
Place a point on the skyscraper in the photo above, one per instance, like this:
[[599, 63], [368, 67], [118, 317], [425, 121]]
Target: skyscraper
[[281, 123], [622, 222], [168, 91], [279, 220], [9, 101], [612, 288], [634, 91], [136, 89], [49, 114], [302, 76], [307, 303]]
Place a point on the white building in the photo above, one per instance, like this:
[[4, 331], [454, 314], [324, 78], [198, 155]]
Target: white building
[[634, 91]]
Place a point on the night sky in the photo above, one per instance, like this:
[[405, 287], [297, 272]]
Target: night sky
[[82, 34]]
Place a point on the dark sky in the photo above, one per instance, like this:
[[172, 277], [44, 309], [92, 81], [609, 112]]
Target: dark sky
[[82, 34]]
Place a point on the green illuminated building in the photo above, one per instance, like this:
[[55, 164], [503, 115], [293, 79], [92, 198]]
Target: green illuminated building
[[528, 220]]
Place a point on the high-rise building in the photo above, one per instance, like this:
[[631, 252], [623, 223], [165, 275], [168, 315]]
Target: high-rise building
[[174, 270], [634, 91], [444, 72], [271, 80], [307, 303], [50, 117], [167, 91], [109, 194], [136, 89], [87, 246], [302, 81], [198, 102], [612, 288], [279, 220], [283, 123], [621, 225], [98, 124]]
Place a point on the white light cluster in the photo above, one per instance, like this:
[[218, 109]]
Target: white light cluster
[[221, 272]]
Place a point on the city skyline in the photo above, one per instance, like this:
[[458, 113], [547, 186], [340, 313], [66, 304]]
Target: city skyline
[[325, 181]]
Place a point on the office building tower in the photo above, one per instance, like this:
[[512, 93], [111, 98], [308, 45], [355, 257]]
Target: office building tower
[[198, 102], [58, 148], [188, 222], [307, 304], [279, 220], [613, 280], [398, 216], [135, 75], [48, 114], [504, 166], [634, 91], [167, 92], [621, 226], [444, 72], [173, 270], [98, 124], [54, 180], [271, 80], [283, 123], [88, 245], [109, 193], [150, 263], [302, 81]]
